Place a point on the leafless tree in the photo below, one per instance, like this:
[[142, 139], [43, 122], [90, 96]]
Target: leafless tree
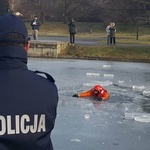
[[125, 11]]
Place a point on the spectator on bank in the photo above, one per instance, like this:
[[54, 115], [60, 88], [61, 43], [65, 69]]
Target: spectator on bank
[[112, 33], [28, 102], [35, 27], [108, 33], [72, 31]]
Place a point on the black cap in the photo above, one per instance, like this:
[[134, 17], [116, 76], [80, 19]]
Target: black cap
[[12, 24]]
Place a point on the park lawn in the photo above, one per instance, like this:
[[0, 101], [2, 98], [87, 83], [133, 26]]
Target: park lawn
[[131, 49], [98, 30]]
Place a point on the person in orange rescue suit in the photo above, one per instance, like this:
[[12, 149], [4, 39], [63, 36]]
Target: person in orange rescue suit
[[97, 92]]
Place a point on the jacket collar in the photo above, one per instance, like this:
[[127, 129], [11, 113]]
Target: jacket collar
[[13, 57]]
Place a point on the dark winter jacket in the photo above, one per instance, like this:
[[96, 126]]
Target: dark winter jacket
[[112, 31], [28, 103], [37, 24], [72, 27]]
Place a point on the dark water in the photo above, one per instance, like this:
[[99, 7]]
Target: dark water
[[121, 123]]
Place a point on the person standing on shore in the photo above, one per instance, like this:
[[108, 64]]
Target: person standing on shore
[[35, 27], [108, 34], [72, 31], [112, 33]]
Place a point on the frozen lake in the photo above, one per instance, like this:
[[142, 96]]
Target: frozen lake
[[121, 123]]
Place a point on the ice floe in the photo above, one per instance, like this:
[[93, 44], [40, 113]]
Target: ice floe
[[146, 93], [75, 140], [138, 88], [106, 66], [92, 74], [87, 116], [109, 75], [140, 117], [102, 83]]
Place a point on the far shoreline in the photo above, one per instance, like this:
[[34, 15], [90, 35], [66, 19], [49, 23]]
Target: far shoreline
[[95, 58]]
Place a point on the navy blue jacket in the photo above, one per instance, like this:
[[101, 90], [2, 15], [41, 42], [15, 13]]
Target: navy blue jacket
[[37, 26], [28, 103]]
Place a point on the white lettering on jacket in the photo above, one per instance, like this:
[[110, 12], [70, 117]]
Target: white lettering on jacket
[[22, 124]]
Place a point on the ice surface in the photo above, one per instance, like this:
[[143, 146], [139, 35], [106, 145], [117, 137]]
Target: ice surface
[[121, 123]]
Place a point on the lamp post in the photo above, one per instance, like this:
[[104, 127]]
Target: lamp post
[[137, 24]]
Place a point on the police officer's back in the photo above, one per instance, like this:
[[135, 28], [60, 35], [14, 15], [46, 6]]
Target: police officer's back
[[28, 101]]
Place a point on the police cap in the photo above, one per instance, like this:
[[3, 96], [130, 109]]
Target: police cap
[[11, 24]]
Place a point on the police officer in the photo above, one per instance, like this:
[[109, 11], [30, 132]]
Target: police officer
[[28, 101]]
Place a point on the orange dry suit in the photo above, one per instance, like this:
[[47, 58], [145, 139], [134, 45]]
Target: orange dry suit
[[97, 91]]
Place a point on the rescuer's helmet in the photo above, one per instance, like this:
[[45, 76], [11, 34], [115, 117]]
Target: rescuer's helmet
[[96, 90]]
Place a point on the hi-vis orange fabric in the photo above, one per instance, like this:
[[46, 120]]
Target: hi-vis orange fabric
[[102, 94]]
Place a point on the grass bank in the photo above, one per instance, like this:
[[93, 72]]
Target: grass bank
[[119, 53]]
